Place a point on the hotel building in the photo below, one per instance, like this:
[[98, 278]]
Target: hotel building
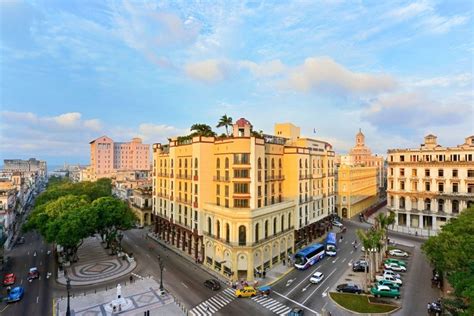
[[429, 185], [108, 157], [241, 204]]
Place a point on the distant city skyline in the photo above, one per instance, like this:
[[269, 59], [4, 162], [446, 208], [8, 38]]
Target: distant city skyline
[[74, 71]]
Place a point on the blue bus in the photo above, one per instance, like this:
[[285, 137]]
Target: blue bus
[[331, 244], [308, 256]]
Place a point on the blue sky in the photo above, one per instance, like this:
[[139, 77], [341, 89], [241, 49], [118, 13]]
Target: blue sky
[[71, 71]]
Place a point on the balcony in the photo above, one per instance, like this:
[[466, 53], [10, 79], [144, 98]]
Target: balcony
[[162, 174], [221, 179], [184, 201], [240, 195], [195, 178], [306, 176], [241, 179], [275, 178], [184, 176], [195, 204]]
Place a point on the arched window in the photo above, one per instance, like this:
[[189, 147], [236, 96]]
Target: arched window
[[455, 206], [242, 235], [227, 233], [274, 226], [402, 203], [441, 205], [227, 163], [195, 163], [257, 232], [218, 230], [283, 222], [289, 220], [266, 229], [273, 163], [259, 163], [209, 226], [266, 163], [427, 204], [218, 163]]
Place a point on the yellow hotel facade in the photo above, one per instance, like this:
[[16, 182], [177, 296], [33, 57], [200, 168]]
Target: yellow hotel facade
[[428, 186], [242, 203]]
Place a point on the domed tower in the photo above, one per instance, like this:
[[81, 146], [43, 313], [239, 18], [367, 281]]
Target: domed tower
[[360, 138], [242, 128]]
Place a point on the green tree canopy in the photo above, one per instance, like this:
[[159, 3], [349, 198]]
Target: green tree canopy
[[452, 252], [201, 130], [225, 121]]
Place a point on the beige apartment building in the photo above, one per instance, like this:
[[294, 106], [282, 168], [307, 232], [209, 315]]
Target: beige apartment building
[[428, 186], [108, 157], [240, 204]]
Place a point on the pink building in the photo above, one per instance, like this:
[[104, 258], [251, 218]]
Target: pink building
[[108, 156]]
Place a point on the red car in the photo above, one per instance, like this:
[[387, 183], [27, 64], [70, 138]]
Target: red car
[[9, 279]]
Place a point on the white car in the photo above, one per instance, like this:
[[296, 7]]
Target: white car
[[316, 278], [336, 223], [395, 267], [389, 278], [391, 273], [398, 253]]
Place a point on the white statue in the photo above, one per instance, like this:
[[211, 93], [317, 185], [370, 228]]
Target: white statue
[[119, 291]]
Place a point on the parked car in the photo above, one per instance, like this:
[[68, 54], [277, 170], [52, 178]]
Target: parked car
[[389, 278], [398, 253], [361, 267], [397, 261], [391, 273], [212, 284], [33, 274], [390, 284], [15, 294], [247, 291], [385, 291], [395, 267], [337, 224], [349, 288], [9, 279], [316, 278], [296, 311]]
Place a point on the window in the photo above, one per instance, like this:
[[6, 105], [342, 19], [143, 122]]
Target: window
[[441, 205], [402, 172], [242, 235], [402, 185], [227, 233], [257, 232], [241, 173], [440, 187], [241, 203], [209, 226], [282, 222], [240, 159], [427, 204], [218, 189], [274, 226], [427, 186], [218, 163], [402, 158], [455, 173], [455, 188], [259, 191], [279, 163], [413, 172], [391, 171], [226, 191], [402, 203], [470, 173], [427, 172], [273, 163], [266, 229], [440, 173], [259, 163], [227, 163], [241, 188], [218, 230], [455, 208]]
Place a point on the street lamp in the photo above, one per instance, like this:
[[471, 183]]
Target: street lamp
[[68, 288], [161, 265]]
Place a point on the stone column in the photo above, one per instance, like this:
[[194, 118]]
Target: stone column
[[250, 267]]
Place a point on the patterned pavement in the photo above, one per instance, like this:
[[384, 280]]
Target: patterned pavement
[[95, 265]]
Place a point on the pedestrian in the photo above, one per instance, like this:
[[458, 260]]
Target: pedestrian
[[131, 278], [264, 274], [284, 262], [207, 308]]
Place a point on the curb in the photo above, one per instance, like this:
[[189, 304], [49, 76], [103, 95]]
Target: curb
[[356, 313], [281, 276]]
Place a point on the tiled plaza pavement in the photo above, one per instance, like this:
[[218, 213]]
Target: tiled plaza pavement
[[95, 265], [144, 295]]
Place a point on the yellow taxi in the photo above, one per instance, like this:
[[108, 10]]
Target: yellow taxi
[[247, 291]]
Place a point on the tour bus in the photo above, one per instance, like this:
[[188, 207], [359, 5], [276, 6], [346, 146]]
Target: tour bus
[[331, 245], [309, 256]]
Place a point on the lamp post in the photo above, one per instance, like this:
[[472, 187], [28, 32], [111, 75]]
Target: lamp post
[[161, 265], [68, 288]]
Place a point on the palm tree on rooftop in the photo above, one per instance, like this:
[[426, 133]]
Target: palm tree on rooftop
[[225, 121]]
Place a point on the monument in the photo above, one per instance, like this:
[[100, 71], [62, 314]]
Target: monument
[[119, 304]]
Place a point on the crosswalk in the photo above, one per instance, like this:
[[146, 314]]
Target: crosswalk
[[272, 304], [213, 304]]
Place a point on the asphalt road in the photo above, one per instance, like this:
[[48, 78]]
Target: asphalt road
[[38, 295]]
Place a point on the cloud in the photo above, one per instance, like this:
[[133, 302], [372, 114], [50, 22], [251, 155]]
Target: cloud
[[440, 24], [409, 11], [460, 80], [324, 74], [211, 70], [412, 110], [266, 69], [152, 133]]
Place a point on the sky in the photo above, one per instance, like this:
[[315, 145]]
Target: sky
[[72, 71]]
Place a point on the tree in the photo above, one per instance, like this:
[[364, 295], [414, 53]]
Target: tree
[[371, 240], [225, 121], [452, 253], [382, 222], [202, 130], [112, 215]]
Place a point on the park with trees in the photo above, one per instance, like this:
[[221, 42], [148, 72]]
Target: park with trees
[[66, 213]]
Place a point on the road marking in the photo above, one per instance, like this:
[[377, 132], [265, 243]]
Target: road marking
[[148, 255], [28, 253], [325, 305], [4, 309], [352, 251], [324, 292], [345, 242], [288, 283], [184, 285], [306, 287], [334, 261], [295, 302], [319, 286], [21, 282], [41, 263], [343, 260], [350, 262], [312, 272], [37, 299]]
